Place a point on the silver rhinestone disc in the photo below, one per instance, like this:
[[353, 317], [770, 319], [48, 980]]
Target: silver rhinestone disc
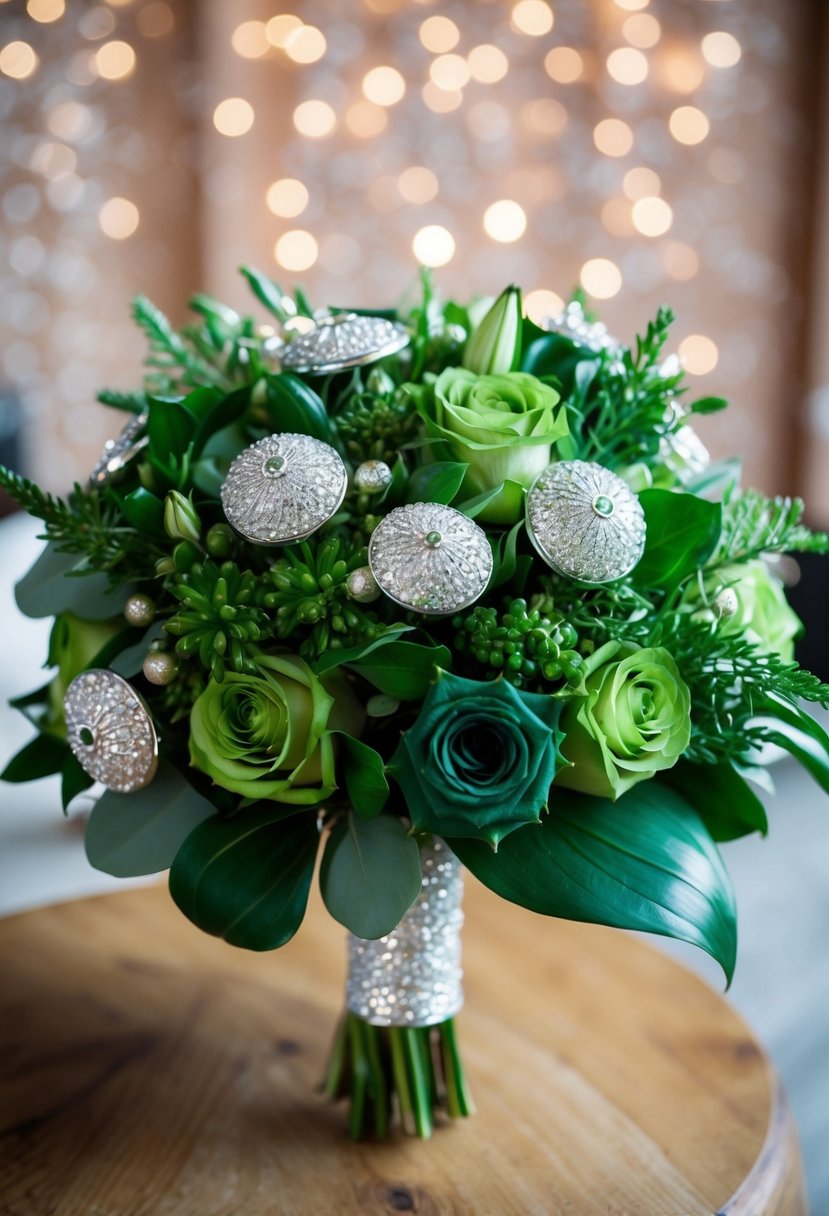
[[283, 488], [343, 341], [585, 521], [121, 451], [412, 976], [430, 558], [111, 731], [573, 324]]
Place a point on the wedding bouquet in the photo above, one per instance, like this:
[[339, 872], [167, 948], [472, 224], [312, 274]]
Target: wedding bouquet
[[410, 590]]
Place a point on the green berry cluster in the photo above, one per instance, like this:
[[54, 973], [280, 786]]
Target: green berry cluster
[[374, 426], [306, 589], [219, 621], [527, 645]]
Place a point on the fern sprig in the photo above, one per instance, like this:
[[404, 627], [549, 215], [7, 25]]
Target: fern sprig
[[754, 524]]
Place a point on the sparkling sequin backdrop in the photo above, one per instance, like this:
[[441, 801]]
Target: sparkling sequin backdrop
[[651, 150]]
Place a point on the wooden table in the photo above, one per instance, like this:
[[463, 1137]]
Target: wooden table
[[147, 1068]]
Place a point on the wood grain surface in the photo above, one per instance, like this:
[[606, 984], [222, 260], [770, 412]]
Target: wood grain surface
[[147, 1068]]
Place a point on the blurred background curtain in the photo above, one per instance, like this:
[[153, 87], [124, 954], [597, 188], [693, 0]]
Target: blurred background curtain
[[647, 150]]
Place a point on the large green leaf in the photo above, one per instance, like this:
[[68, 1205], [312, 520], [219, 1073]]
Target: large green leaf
[[682, 533], [170, 428], [44, 755], [644, 862], [293, 406], [353, 654], [73, 780], [438, 482], [141, 832], [365, 776], [58, 582], [724, 800], [403, 669], [370, 874], [799, 734], [247, 879]]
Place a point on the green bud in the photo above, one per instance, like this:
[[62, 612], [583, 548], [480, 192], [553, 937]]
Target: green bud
[[181, 521], [185, 556], [380, 382], [219, 540], [164, 565], [495, 346]]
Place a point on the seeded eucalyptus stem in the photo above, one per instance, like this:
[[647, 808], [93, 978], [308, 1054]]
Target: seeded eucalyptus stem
[[411, 1072]]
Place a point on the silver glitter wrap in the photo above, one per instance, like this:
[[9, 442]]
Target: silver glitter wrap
[[343, 341], [585, 521], [412, 976], [573, 324], [121, 451], [283, 488], [430, 558], [111, 731]]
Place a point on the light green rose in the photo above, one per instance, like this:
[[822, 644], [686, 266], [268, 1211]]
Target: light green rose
[[267, 736], [754, 604], [503, 426], [73, 644], [634, 721]]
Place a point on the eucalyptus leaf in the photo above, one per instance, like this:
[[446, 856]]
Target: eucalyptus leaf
[[140, 833], [644, 862], [682, 533], [41, 757], [438, 482], [247, 879], [365, 776], [370, 874], [59, 582]]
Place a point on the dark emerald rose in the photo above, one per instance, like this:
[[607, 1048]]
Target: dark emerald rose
[[480, 759]]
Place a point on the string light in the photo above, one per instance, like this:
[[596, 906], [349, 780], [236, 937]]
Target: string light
[[115, 60], [233, 117], [439, 35], [433, 245], [487, 64], [384, 86], [688, 125], [542, 303], [533, 17], [627, 65], [613, 137], [699, 354], [563, 64], [505, 221], [601, 278], [721, 50], [118, 218], [316, 119], [18, 60], [296, 250], [287, 197]]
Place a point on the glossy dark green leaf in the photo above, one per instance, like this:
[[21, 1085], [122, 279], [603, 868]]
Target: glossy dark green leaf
[[293, 406], [644, 862], [724, 800], [224, 411], [140, 833], [73, 780], [508, 498], [52, 586], [144, 511], [365, 775], [403, 669], [798, 733], [353, 654], [170, 428], [682, 533], [41, 757], [247, 879], [438, 482], [370, 874]]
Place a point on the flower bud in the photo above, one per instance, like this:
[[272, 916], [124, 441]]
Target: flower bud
[[495, 346], [181, 521], [219, 540]]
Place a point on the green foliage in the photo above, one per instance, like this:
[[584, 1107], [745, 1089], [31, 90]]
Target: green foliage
[[60, 582], [41, 757], [365, 776], [438, 482], [218, 621], [753, 525], [644, 862], [292, 406], [376, 426], [724, 800], [247, 879], [370, 874], [305, 592], [400, 669], [141, 833], [682, 533], [530, 646]]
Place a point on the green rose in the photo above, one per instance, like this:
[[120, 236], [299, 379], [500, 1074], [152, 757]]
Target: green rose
[[73, 644], [503, 426], [267, 735], [479, 760], [752, 602], [633, 722]]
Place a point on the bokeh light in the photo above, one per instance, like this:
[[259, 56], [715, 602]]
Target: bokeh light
[[641, 181], [627, 65], [688, 125], [563, 64], [233, 117], [433, 245], [652, 216], [384, 86], [250, 40], [418, 185], [613, 137], [439, 34], [487, 64], [296, 250], [366, 120], [287, 197], [699, 354], [46, 11], [450, 72], [505, 221], [118, 218], [315, 118], [18, 60], [280, 28], [680, 261], [533, 17], [642, 30], [306, 44], [115, 60], [542, 303], [721, 50], [601, 278]]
